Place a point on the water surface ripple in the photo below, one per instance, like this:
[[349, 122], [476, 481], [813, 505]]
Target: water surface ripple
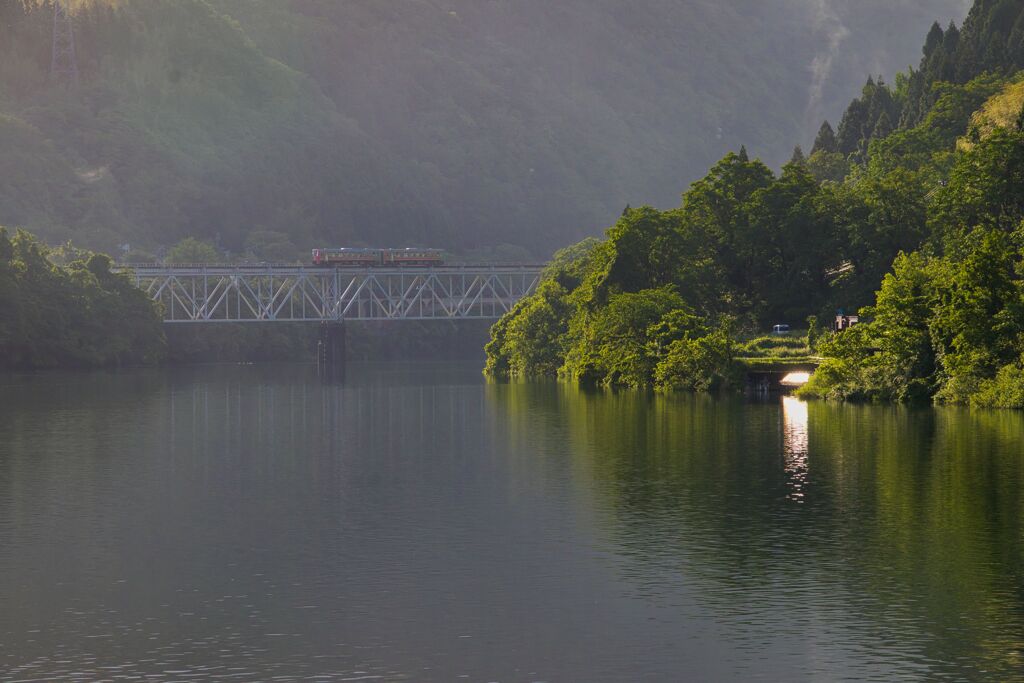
[[415, 522]]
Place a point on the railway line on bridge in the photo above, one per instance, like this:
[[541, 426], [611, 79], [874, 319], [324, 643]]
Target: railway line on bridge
[[209, 293]]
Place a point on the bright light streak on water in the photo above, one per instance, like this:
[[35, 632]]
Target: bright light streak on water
[[795, 444]]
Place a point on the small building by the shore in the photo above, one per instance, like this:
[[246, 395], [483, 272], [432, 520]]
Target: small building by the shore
[[844, 322]]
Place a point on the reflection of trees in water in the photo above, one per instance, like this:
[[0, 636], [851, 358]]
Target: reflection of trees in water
[[911, 522]]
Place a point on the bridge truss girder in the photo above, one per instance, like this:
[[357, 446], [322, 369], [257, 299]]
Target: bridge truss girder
[[296, 294]]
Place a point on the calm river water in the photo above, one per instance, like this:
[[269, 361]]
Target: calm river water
[[418, 523]]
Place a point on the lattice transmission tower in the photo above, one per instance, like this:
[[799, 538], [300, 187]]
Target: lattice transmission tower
[[63, 61]]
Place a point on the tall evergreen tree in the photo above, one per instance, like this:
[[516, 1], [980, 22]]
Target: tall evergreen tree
[[950, 69], [798, 157], [826, 140], [883, 126], [934, 40], [851, 128]]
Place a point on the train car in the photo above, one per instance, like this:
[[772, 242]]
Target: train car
[[412, 257], [347, 256], [370, 258]]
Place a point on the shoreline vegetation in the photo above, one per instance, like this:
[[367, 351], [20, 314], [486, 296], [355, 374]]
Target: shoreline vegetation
[[911, 213], [64, 308]]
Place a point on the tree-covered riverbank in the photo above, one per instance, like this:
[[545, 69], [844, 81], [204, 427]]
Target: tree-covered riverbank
[[948, 321], [65, 308], [918, 195]]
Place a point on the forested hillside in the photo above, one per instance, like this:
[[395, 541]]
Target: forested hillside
[[919, 195], [267, 126]]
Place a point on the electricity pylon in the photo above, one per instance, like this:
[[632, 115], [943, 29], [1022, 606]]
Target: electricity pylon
[[63, 62]]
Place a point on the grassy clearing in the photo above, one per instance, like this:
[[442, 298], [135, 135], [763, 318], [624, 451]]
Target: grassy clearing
[[776, 349]]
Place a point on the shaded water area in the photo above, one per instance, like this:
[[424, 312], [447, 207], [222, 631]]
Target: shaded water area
[[418, 523]]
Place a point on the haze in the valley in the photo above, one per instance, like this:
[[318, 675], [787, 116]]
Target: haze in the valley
[[269, 126]]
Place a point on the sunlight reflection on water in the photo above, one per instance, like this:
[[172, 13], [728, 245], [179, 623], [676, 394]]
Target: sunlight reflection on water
[[795, 444]]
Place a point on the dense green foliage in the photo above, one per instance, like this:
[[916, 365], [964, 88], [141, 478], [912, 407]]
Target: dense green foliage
[[948, 321], [746, 249], [921, 189], [267, 127], [77, 314]]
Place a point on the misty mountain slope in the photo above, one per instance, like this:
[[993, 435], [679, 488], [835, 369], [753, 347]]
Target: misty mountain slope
[[458, 124], [588, 101], [191, 127]]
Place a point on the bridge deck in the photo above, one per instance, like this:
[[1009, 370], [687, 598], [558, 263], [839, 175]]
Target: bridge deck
[[294, 293]]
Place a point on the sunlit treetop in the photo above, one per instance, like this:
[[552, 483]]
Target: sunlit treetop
[[75, 6]]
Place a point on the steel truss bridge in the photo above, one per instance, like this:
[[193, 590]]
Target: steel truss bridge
[[289, 293]]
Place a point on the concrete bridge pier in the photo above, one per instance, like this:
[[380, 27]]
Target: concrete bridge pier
[[330, 350]]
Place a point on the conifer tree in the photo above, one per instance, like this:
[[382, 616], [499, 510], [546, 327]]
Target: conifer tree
[[952, 37], [826, 140], [852, 127], [934, 40], [798, 157], [883, 126], [950, 68], [744, 157]]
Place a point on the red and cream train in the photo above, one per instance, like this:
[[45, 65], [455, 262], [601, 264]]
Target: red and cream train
[[374, 258]]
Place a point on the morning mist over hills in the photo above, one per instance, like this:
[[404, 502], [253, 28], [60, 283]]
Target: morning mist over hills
[[269, 127]]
